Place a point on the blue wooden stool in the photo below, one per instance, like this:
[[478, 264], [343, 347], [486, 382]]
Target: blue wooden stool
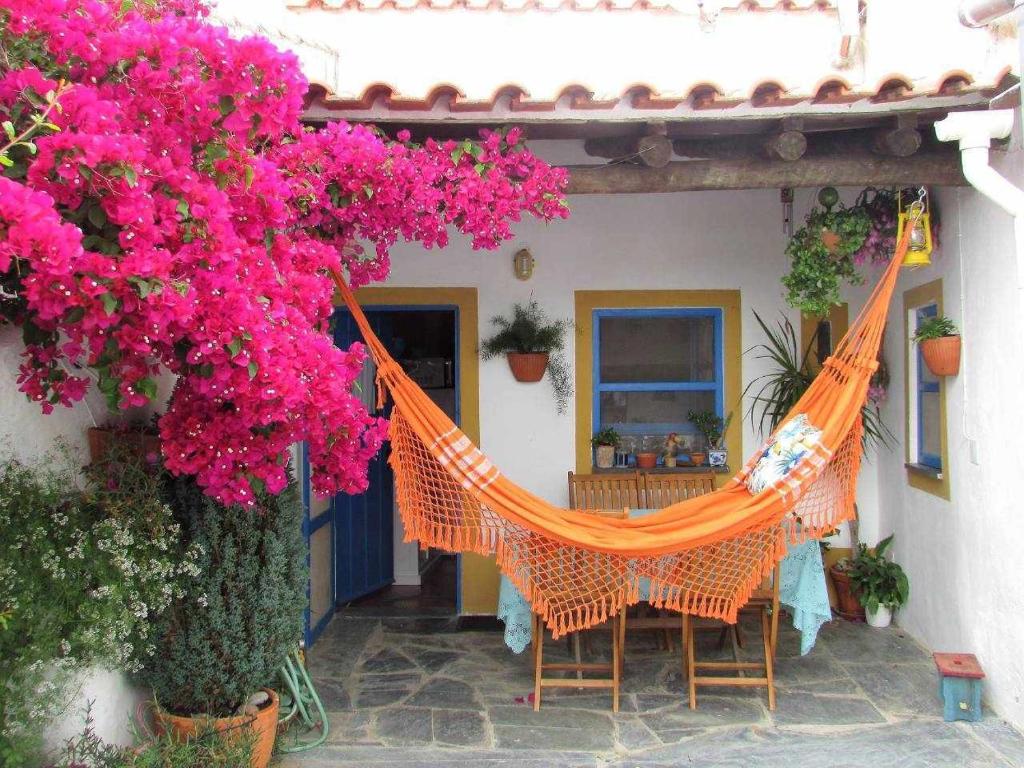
[[960, 677]]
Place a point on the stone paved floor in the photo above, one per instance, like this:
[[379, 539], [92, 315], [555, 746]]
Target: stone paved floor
[[416, 692]]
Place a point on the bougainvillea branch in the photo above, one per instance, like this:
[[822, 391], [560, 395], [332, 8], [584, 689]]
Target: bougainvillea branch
[[175, 215]]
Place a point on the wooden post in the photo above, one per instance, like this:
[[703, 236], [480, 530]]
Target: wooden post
[[901, 140]]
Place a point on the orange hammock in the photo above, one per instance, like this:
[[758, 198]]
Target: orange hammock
[[703, 556]]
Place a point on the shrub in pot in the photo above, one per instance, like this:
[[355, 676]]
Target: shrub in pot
[[604, 443], [882, 584], [532, 346], [221, 644], [940, 345]]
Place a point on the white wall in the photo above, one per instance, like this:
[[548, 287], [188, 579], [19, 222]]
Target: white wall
[[963, 556]]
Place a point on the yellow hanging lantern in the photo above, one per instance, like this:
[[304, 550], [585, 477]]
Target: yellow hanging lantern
[[918, 218]]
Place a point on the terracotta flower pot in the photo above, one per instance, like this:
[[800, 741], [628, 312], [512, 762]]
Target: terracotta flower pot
[[263, 723], [647, 460], [942, 355], [846, 595], [100, 440], [528, 366], [698, 458]]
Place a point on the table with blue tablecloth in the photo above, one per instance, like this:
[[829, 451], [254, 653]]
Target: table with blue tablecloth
[[802, 589]]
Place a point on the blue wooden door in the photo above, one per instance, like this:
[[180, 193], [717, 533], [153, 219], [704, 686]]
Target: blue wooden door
[[363, 524]]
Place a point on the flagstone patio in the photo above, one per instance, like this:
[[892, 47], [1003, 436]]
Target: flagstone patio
[[418, 692]]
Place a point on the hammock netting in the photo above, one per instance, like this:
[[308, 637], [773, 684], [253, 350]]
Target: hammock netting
[[703, 556]]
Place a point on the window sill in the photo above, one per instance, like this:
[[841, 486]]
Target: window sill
[[661, 470], [924, 470]]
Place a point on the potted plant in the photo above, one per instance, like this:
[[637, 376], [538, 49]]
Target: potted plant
[[604, 443], [713, 428], [140, 438], [532, 345], [776, 392], [882, 584], [822, 253], [237, 621], [848, 601], [940, 345]]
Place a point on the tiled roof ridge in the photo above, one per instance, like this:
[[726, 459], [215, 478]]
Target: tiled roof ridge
[[705, 95], [692, 6]]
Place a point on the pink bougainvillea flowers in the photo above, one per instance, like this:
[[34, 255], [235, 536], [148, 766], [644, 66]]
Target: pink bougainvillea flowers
[[171, 213]]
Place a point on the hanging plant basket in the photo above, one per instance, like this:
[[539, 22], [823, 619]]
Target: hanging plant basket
[[942, 355], [528, 367]]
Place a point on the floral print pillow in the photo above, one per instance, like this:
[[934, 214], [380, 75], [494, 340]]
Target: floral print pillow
[[783, 452]]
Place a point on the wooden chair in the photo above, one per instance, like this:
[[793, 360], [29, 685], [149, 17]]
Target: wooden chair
[[613, 667], [664, 490], [612, 492], [660, 491], [765, 602]]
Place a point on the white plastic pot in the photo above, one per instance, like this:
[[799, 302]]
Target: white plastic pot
[[880, 618]]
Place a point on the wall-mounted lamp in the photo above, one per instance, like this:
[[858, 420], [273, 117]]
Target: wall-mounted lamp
[[522, 264]]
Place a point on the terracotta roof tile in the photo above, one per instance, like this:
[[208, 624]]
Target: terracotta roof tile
[[478, 59]]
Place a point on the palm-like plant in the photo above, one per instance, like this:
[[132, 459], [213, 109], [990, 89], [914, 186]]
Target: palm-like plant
[[775, 393]]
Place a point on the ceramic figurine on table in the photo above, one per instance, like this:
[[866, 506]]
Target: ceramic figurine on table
[[672, 443]]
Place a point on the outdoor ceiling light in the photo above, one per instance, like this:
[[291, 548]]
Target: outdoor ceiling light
[[522, 264]]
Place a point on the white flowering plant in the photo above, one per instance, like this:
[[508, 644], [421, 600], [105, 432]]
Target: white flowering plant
[[83, 574]]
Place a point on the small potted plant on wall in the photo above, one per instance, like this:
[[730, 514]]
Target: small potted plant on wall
[[604, 443], [532, 346], [940, 345], [882, 585]]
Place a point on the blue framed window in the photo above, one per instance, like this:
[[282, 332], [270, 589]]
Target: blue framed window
[[928, 411], [652, 366]]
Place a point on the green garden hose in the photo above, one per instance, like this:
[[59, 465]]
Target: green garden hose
[[301, 707]]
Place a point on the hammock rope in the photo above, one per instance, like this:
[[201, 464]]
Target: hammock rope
[[703, 556]]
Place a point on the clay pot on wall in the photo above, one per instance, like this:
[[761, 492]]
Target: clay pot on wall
[[263, 723], [528, 366], [942, 355], [647, 460]]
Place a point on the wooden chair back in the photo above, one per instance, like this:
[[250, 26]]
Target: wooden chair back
[[664, 490], [612, 492]]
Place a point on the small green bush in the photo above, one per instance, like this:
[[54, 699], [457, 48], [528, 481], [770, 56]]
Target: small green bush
[[82, 574], [935, 328], [227, 636]]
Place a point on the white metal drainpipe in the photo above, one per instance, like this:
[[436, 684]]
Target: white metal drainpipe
[[975, 131]]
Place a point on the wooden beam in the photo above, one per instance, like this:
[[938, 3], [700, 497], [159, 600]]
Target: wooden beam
[[900, 140], [930, 168], [653, 149]]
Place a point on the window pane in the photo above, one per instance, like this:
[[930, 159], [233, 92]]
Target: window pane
[[930, 423], [646, 408], [641, 349]]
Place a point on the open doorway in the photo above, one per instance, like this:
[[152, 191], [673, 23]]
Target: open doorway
[[376, 572]]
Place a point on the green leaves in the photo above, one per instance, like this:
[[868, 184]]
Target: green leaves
[[110, 303], [821, 254], [879, 581], [776, 393], [934, 328]]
